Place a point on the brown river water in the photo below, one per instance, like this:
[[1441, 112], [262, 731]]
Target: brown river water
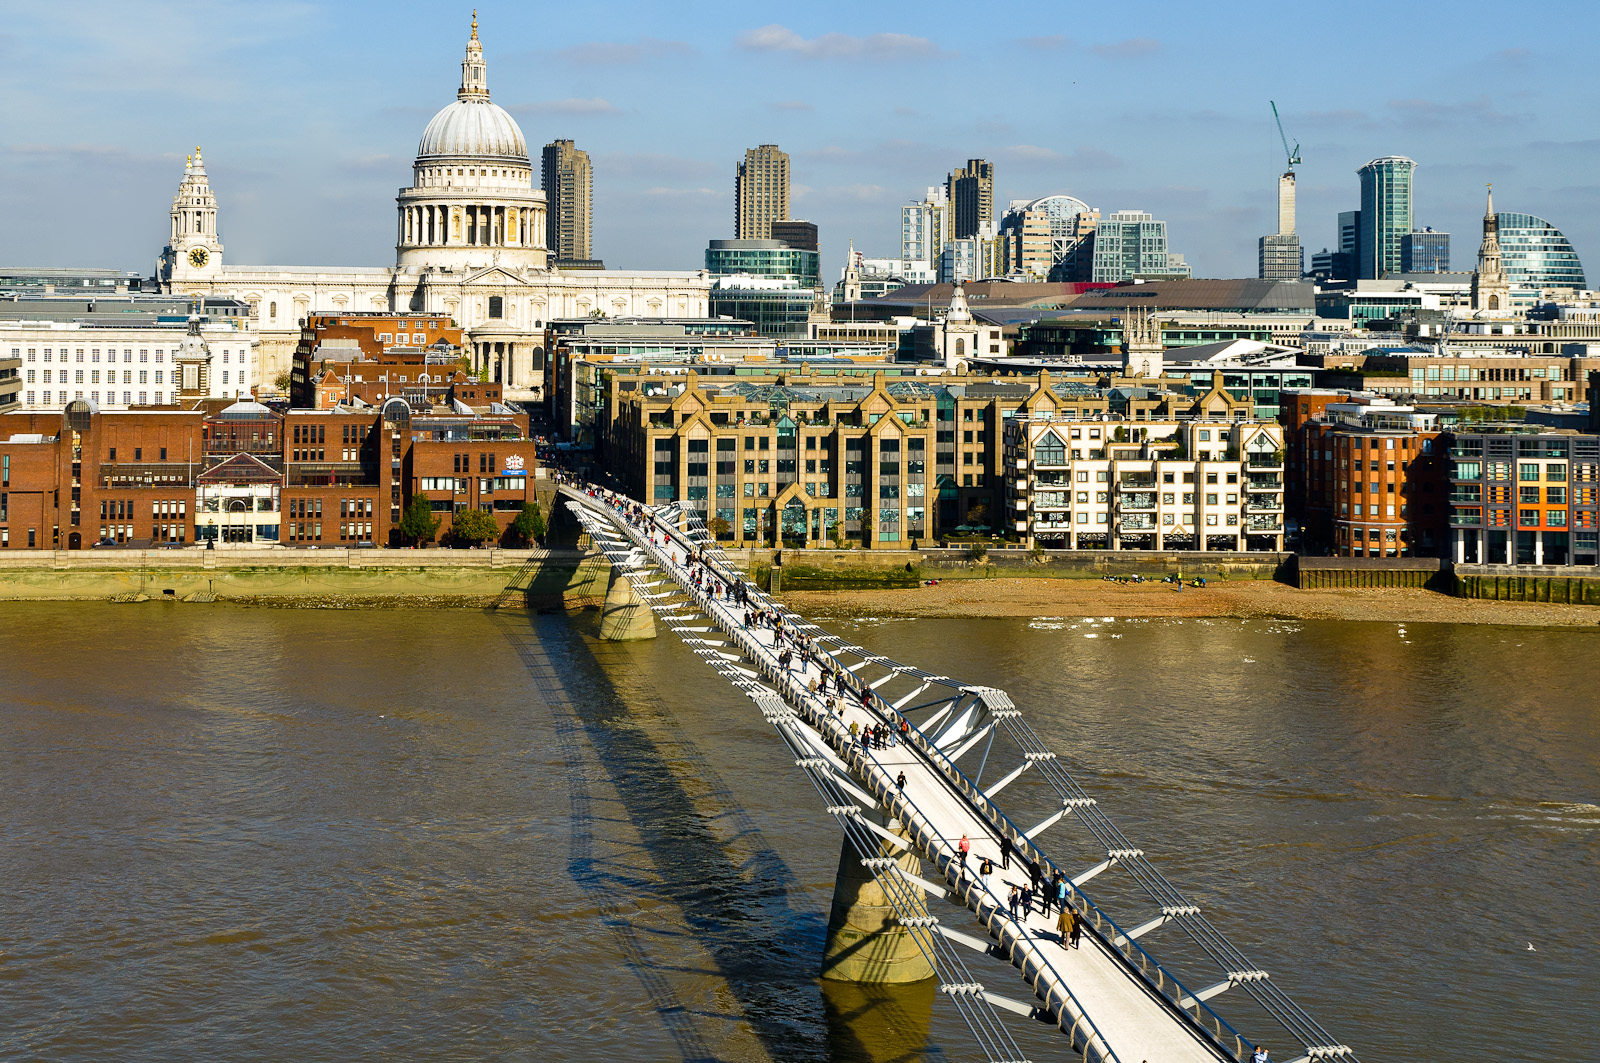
[[319, 835]]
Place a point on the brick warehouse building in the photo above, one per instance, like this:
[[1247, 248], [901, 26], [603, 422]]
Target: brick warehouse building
[[244, 474]]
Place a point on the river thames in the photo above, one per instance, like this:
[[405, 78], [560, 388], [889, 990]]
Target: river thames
[[236, 834]]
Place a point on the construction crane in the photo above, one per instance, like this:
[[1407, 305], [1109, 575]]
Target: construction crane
[[1293, 154]]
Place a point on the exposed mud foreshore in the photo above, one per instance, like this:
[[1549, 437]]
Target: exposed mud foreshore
[[1242, 598]]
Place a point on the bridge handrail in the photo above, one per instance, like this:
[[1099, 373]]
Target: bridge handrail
[[987, 808], [1082, 1025], [1134, 955]]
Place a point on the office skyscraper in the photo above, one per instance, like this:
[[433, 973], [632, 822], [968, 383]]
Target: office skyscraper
[[760, 192], [569, 196], [970, 190], [1279, 256], [1385, 214], [1425, 251]]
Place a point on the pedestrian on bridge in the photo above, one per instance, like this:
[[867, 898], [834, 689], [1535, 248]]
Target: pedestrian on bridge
[[1013, 902], [1259, 1055], [965, 847], [1069, 926], [900, 782], [1005, 851]]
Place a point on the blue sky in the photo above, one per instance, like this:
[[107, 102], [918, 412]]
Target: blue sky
[[310, 114]]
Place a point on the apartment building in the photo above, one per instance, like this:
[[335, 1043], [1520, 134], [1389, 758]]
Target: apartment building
[[1523, 494], [1205, 477]]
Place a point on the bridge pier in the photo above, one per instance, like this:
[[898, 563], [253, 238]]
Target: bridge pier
[[866, 943], [625, 617]]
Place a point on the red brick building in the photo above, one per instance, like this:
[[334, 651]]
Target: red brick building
[[1366, 475], [76, 478], [245, 474]]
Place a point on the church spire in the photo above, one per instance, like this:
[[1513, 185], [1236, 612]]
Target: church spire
[[1490, 287], [474, 73]]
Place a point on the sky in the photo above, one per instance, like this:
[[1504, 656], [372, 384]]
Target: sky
[[309, 115]]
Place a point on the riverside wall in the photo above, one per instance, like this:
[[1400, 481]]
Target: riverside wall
[[540, 577]]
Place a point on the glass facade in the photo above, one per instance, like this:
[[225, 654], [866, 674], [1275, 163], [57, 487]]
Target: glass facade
[[1425, 251], [1536, 254], [774, 311], [763, 258], [1385, 215], [1131, 243]]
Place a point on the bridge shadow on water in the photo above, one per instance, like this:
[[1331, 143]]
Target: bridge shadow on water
[[738, 908]]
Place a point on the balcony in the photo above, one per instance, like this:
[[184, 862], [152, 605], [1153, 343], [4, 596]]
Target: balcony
[[1266, 461], [1138, 500], [1474, 496], [1144, 522], [1264, 502], [1264, 483], [1264, 524], [1128, 483]]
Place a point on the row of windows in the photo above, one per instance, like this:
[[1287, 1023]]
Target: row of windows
[[94, 376], [111, 354], [161, 397]]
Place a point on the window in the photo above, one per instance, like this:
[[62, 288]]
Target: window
[[496, 306], [1527, 470]]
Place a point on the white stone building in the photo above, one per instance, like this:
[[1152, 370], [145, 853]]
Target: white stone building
[[469, 244], [117, 366]]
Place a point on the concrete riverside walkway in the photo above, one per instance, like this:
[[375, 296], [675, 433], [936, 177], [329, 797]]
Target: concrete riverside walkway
[[1108, 995]]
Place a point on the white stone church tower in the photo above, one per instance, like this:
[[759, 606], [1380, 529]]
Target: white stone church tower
[[194, 249]]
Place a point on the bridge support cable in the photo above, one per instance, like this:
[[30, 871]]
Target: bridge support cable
[[960, 712], [1026, 953], [1074, 1021], [1228, 957], [977, 1012]]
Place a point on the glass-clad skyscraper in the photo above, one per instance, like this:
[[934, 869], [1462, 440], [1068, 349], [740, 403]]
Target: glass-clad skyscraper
[[1536, 254], [1385, 214]]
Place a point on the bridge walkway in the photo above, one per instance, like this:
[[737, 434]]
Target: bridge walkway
[[1112, 999]]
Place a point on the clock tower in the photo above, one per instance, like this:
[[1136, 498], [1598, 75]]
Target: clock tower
[[193, 254]]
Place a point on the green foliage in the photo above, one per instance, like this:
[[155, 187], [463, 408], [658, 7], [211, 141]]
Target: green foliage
[[418, 522], [474, 526], [282, 381], [529, 525], [977, 552]]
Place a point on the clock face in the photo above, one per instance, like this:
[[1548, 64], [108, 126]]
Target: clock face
[[198, 257]]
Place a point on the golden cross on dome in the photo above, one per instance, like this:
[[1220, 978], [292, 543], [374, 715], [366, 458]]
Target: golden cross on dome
[[474, 23]]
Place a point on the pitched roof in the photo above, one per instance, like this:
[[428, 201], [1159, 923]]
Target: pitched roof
[[241, 469]]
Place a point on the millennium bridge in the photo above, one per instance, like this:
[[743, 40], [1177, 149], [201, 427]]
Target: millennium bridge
[[909, 804]]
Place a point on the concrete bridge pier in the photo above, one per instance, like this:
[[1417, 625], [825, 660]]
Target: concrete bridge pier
[[866, 943], [625, 617]]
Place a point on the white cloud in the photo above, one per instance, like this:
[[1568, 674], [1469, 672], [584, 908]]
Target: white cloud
[[876, 47]]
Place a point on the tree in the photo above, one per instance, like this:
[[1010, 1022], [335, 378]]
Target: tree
[[418, 522], [529, 524], [474, 526], [721, 527], [283, 381]]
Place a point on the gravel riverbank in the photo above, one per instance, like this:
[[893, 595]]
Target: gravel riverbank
[[1244, 599]]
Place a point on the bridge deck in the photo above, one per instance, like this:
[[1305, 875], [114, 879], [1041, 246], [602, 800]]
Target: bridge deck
[[1111, 1007], [1134, 1022]]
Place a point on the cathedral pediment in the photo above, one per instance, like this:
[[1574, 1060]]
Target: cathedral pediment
[[496, 276]]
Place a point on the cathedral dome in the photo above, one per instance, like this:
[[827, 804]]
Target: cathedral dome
[[473, 128]]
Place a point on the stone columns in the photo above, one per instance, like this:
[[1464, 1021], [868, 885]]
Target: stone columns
[[865, 942]]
